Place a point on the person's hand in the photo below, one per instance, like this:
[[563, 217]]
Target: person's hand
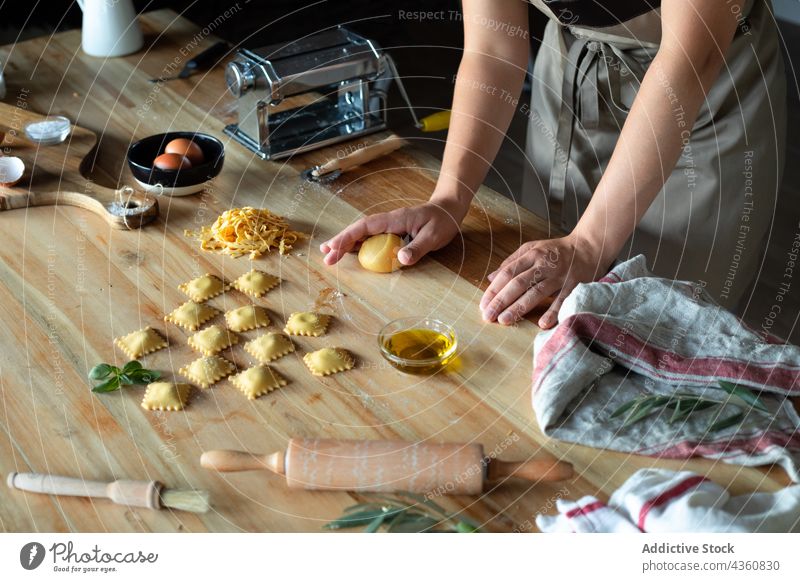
[[538, 270], [431, 226]]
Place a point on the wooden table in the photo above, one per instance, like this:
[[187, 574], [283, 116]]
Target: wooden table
[[71, 285]]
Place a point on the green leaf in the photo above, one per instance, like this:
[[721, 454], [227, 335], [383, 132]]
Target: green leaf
[[639, 412], [744, 394], [100, 372], [109, 385], [680, 410], [414, 524], [624, 408], [687, 406], [124, 380], [375, 524], [131, 366], [425, 501], [395, 513], [727, 422], [364, 507], [466, 526], [143, 376], [360, 518]]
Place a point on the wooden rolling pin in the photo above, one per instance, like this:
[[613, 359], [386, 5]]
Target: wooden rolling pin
[[453, 469]]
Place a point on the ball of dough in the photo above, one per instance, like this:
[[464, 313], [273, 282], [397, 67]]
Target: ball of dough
[[379, 253]]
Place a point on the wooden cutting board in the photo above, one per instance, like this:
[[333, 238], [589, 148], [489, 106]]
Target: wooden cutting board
[[57, 175]]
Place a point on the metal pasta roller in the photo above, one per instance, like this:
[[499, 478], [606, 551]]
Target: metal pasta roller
[[337, 81]]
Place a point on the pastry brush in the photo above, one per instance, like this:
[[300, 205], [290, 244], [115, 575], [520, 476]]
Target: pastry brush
[[149, 494]]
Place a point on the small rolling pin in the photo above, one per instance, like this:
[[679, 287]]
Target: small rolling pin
[[149, 494], [453, 469]]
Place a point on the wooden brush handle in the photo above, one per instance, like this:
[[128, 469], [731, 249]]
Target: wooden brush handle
[[537, 469], [135, 493], [56, 485], [232, 461], [361, 156], [123, 492]]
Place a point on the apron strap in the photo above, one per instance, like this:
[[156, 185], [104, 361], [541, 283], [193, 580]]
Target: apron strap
[[580, 101]]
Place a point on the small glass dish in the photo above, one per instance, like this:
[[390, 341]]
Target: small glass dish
[[418, 345], [51, 130]]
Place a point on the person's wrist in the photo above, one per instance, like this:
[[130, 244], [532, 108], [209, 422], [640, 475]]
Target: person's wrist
[[598, 242], [456, 202]]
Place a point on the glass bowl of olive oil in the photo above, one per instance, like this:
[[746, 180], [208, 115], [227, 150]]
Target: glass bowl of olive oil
[[418, 345]]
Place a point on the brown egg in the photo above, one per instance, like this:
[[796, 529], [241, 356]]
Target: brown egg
[[172, 162], [186, 147]]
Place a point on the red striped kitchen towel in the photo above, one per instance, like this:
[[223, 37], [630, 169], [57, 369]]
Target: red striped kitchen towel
[[661, 501], [631, 334]]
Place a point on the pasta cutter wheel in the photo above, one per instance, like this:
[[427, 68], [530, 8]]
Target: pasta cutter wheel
[[309, 176]]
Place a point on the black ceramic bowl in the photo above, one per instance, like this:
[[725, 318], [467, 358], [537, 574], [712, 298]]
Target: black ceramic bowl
[[174, 182]]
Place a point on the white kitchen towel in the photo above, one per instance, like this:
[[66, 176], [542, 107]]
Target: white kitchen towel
[[631, 334], [661, 501]]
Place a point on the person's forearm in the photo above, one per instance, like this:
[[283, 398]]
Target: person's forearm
[[485, 97], [652, 139], [487, 87]]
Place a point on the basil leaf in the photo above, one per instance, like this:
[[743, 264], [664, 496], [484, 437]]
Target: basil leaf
[[143, 376], [100, 372], [131, 366], [108, 386], [124, 379]]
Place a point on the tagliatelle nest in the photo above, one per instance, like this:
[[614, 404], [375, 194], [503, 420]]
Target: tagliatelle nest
[[240, 231]]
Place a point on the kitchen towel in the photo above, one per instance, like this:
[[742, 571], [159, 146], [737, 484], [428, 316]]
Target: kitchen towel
[[661, 501], [631, 334]]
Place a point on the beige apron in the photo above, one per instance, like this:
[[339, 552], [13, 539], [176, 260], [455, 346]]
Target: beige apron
[[710, 221]]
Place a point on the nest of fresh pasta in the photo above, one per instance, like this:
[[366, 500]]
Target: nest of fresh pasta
[[242, 231]]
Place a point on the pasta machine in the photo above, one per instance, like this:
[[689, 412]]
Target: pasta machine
[[323, 89]]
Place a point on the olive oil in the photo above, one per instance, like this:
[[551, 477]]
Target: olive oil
[[424, 351]]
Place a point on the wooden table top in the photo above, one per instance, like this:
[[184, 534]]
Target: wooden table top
[[71, 284]]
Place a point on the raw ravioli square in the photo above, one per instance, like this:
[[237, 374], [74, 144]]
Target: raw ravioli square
[[203, 288], [247, 318], [269, 346], [258, 380], [191, 315], [139, 343], [329, 361], [212, 340], [307, 323], [256, 283], [166, 396], [207, 370]]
